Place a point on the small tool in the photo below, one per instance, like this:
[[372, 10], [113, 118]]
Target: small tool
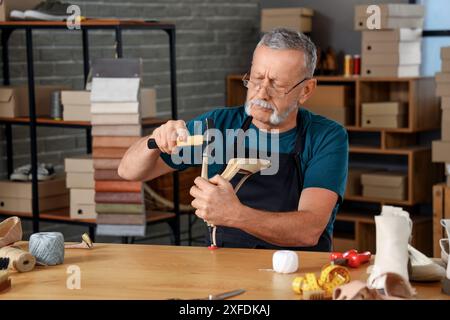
[[220, 296], [350, 258], [4, 263], [225, 295], [195, 140], [86, 243]]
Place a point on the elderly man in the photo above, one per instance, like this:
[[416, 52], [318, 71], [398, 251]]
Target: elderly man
[[294, 208]]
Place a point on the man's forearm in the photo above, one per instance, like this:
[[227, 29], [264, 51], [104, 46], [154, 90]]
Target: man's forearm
[[295, 228], [138, 161]]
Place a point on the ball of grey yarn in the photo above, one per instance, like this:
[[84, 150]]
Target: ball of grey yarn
[[47, 247]]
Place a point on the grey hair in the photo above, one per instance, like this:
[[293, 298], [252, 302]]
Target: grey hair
[[281, 38]]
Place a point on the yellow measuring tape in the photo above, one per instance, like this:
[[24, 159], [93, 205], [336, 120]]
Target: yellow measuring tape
[[331, 277]]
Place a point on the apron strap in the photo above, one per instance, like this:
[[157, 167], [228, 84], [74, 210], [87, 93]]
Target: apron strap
[[298, 148]]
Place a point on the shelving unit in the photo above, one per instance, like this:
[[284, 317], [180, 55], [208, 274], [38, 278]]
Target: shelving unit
[[400, 146], [117, 26]]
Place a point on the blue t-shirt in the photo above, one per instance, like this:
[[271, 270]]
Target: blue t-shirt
[[324, 159]]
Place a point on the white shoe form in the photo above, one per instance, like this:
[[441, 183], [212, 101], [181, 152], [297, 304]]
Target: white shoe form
[[445, 248], [423, 268], [17, 15], [446, 224], [393, 233]]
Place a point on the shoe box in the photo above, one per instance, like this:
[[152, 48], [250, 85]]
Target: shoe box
[[16, 196], [332, 101], [384, 115], [14, 100], [384, 184], [298, 19]]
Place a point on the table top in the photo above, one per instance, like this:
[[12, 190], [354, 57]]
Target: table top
[[118, 271]]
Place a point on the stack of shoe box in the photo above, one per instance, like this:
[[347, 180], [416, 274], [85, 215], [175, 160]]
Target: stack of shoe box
[[389, 114], [441, 149], [393, 49], [76, 105], [116, 124], [80, 182]]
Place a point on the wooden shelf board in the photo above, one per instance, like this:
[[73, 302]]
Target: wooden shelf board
[[351, 216], [379, 200], [396, 151], [359, 78], [64, 215], [49, 121], [388, 130]]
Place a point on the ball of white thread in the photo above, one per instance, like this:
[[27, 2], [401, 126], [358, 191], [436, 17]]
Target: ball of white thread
[[285, 261], [47, 247]]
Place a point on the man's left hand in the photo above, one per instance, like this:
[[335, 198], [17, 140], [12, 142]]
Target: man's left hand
[[215, 201]]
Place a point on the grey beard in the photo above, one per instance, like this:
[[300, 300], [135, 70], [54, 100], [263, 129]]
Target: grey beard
[[275, 118]]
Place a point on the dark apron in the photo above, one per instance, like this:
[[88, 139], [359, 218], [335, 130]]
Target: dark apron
[[277, 193]]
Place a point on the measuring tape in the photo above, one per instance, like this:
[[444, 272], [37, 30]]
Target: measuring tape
[[331, 277]]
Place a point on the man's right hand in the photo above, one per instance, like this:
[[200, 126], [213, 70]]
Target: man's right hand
[[166, 136]]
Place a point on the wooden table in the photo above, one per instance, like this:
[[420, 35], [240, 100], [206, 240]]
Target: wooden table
[[117, 271]]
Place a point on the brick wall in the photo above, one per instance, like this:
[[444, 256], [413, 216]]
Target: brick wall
[[214, 38]]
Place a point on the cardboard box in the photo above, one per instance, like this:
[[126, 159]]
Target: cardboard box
[[442, 77], [354, 186], [445, 65], [80, 180], [384, 115], [445, 53], [146, 105], [333, 96], [392, 16], [360, 22], [391, 47], [6, 6], [445, 103], [114, 130], [82, 204], [298, 19], [443, 89], [23, 205], [394, 10], [340, 115], [445, 133], [388, 121], [391, 71], [396, 35], [77, 112], [18, 189], [385, 185], [14, 100], [116, 119], [82, 163], [383, 108], [74, 97], [391, 59], [440, 151]]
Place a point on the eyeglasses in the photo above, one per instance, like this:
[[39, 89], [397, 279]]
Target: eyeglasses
[[271, 91]]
